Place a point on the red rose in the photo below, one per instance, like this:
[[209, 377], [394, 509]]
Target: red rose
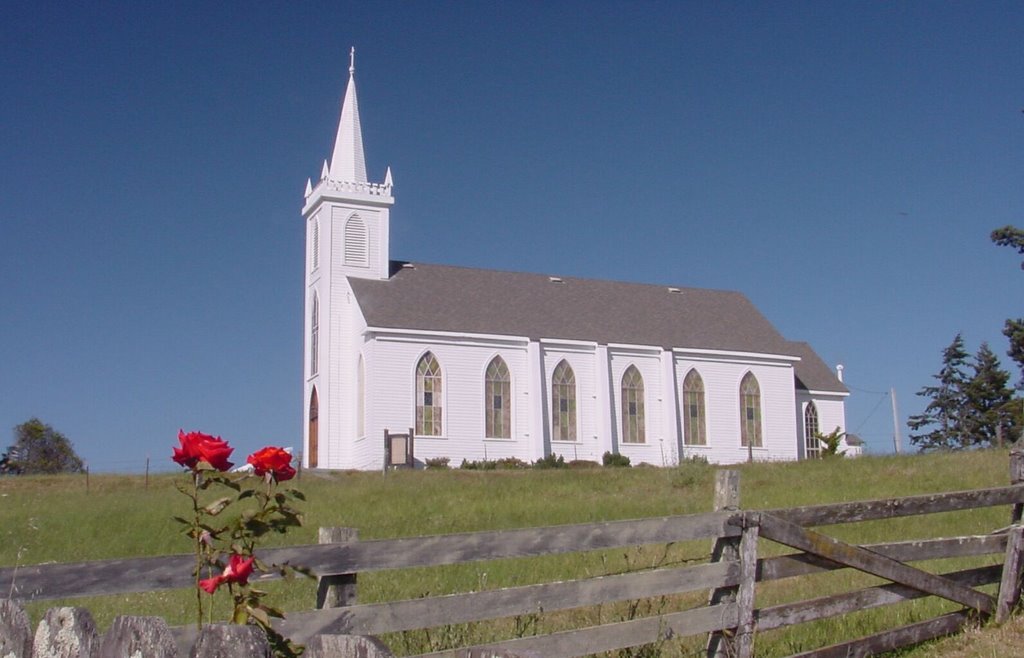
[[197, 447], [210, 585], [238, 571], [276, 461]]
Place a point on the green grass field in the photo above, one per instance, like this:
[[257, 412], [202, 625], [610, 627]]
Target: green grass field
[[56, 519]]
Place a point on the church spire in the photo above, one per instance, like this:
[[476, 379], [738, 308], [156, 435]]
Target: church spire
[[348, 163]]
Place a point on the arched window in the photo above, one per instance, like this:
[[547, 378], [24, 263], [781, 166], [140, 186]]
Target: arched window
[[428, 396], [314, 429], [360, 399], [632, 406], [750, 411], [498, 400], [314, 335], [563, 403], [694, 429], [812, 445], [357, 246]]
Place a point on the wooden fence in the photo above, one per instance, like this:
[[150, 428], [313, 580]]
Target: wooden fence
[[730, 619]]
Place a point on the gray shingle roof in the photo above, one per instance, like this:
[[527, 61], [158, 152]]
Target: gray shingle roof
[[812, 374], [467, 300]]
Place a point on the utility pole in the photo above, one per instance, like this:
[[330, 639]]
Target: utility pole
[[895, 422]]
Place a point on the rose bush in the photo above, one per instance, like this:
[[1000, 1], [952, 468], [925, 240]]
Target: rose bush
[[225, 547]]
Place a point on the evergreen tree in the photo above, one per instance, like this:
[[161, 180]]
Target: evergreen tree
[[943, 418], [1013, 237], [1010, 236], [988, 398], [1014, 331]]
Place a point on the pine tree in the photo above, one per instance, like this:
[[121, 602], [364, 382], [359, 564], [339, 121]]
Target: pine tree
[[988, 398], [1014, 331], [944, 415], [1010, 236]]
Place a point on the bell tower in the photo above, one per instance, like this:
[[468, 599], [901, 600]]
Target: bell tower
[[347, 220]]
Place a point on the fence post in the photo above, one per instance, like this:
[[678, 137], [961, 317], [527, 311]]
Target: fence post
[[336, 590], [748, 579], [1017, 477], [231, 641], [727, 498], [15, 632], [139, 636], [66, 632], [1009, 585]]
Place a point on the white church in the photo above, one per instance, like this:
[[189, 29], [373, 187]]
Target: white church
[[481, 364]]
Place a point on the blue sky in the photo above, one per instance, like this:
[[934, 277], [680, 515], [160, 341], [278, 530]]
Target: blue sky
[[842, 164]]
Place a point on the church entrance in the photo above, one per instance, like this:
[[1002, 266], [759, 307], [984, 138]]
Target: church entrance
[[314, 422]]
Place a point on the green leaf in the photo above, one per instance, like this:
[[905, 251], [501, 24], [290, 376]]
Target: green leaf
[[295, 493], [241, 614], [272, 611], [260, 616]]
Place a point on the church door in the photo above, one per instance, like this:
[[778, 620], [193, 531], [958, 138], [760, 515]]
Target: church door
[[314, 423]]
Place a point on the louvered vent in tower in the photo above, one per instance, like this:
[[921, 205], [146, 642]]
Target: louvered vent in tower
[[357, 245]]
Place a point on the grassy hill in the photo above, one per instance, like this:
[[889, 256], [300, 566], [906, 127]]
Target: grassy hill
[[60, 519]]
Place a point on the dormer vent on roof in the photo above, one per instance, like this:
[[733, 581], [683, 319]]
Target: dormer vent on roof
[[555, 279], [676, 291]]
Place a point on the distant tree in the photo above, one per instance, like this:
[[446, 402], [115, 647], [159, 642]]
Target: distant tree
[[1013, 237], [1014, 331], [942, 419], [7, 466], [38, 448], [1010, 236], [988, 400]]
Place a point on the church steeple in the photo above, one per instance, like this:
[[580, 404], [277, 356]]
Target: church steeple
[[348, 163], [347, 215]]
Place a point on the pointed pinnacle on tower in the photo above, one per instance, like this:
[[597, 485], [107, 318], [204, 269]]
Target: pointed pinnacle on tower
[[348, 163]]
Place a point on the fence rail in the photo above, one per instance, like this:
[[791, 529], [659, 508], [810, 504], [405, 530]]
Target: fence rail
[[731, 617]]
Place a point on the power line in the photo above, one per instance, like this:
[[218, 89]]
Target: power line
[[864, 390]]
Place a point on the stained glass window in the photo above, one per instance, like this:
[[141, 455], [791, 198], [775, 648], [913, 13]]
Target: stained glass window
[[633, 406], [812, 444], [750, 411], [563, 403], [498, 394], [428, 396], [694, 425]]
